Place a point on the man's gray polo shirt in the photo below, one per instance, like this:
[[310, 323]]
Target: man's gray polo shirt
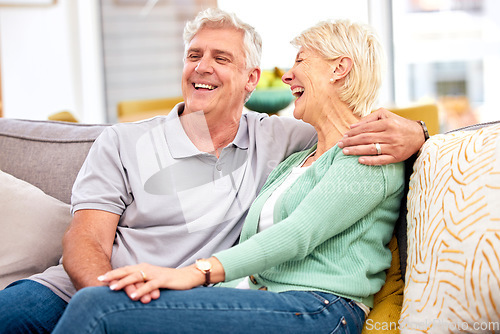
[[177, 204]]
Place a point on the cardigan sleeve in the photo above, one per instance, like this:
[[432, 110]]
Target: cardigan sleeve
[[346, 193]]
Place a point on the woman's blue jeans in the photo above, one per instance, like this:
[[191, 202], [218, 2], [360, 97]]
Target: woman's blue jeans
[[211, 310], [29, 307]]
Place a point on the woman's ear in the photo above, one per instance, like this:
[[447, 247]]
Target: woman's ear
[[253, 79], [343, 67]]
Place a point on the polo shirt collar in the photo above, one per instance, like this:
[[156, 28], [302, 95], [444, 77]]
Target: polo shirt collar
[[180, 145], [241, 138]]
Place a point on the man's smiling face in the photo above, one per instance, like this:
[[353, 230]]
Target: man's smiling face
[[215, 78]]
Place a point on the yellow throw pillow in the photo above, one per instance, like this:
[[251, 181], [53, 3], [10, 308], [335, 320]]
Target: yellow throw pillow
[[387, 303]]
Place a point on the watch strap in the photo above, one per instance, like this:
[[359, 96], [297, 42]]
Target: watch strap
[[424, 129], [207, 278]]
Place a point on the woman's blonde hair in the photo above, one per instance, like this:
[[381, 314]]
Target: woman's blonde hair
[[216, 18], [357, 41]]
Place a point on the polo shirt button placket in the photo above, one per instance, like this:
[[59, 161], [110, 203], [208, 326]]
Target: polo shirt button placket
[[222, 181]]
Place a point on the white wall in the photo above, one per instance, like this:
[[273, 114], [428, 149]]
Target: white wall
[[51, 61], [279, 21]]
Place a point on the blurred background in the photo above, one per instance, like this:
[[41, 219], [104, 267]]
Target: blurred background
[[88, 57]]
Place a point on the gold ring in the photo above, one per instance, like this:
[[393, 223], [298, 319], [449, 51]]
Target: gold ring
[[143, 275], [379, 150]]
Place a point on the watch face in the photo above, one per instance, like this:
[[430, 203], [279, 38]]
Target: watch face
[[203, 265]]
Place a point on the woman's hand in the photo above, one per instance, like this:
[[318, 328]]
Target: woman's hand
[[146, 298], [143, 281], [399, 138]]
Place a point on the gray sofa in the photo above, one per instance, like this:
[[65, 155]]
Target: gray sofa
[[39, 161]]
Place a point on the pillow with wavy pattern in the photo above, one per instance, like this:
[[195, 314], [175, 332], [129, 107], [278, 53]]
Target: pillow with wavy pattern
[[453, 271]]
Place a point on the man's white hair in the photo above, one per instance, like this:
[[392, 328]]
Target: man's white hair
[[217, 18]]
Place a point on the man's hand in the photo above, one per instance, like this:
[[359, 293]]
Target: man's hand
[[399, 138]]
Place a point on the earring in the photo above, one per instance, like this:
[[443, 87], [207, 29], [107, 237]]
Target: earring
[[331, 79]]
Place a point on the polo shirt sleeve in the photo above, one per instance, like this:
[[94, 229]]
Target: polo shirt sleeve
[[102, 182]]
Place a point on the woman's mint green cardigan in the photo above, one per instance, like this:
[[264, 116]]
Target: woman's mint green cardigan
[[330, 231]]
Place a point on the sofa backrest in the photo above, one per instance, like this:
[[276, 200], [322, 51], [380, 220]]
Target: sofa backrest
[[47, 154]]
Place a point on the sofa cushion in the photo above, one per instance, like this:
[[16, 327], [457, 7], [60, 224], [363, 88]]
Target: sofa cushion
[[31, 229], [46, 154], [453, 274]]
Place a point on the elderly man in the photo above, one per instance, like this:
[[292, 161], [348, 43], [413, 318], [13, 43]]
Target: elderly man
[[172, 189]]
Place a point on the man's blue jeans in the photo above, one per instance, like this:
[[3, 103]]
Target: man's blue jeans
[[29, 307], [210, 310]]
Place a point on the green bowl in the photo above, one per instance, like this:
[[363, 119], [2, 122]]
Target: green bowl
[[270, 100]]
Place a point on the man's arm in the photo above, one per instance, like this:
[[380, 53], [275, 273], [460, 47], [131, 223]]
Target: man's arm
[[87, 249], [399, 138], [87, 246]]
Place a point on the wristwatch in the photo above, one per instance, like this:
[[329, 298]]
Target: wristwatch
[[205, 267], [424, 129]]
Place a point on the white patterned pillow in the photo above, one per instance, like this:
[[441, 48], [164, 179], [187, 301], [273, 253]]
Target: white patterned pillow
[[453, 273]]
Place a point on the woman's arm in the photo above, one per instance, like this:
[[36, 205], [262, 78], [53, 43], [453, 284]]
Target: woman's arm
[[347, 192]]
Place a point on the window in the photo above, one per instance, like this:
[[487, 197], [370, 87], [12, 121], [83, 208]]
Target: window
[[446, 52]]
